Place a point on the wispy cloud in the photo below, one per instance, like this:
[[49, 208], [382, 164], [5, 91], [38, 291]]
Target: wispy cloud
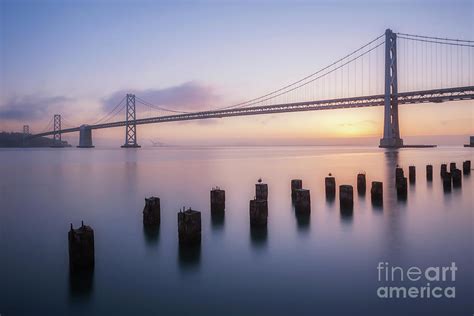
[[189, 96], [31, 107]]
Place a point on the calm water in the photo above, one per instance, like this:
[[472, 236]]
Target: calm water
[[326, 266]]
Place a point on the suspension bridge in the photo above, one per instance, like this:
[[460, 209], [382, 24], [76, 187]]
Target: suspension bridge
[[391, 70]]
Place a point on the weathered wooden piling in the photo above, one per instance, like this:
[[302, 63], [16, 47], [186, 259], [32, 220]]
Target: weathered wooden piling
[[376, 192], [447, 182], [429, 172], [151, 211], [81, 248], [402, 187], [466, 167], [295, 185], [361, 184], [217, 200], [346, 197], [412, 174], [189, 227], [330, 184], [443, 170], [302, 201], [452, 166], [399, 173], [261, 191], [457, 178], [258, 212]]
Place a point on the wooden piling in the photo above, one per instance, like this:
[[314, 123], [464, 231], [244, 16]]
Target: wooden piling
[[330, 185], [399, 173], [447, 182], [429, 172], [412, 174], [452, 166], [402, 187], [457, 178], [361, 183], [302, 201], [376, 192], [151, 211], [81, 248], [261, 191], [217, 200], [466, 167], [346, 197], [189, 227], [258, 212], [295, 185], [443, 170]]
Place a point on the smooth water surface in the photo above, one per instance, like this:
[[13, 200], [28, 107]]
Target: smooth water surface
[[322, 266]]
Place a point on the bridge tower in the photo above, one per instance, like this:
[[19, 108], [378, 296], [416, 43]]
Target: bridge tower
[[26, 132], [57, 142], [131, 126], [391, 132]]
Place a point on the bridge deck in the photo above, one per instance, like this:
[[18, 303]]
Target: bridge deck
[[413, 97]]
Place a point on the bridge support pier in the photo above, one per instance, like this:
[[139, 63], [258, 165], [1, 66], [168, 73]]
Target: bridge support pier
[[131, 126], [26, 133], [391, 132], [85, 137]]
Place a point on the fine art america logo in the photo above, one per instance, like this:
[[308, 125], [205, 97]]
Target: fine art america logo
[[415, 282]]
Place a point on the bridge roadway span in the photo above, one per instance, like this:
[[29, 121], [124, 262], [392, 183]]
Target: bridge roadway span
[[413, 97]]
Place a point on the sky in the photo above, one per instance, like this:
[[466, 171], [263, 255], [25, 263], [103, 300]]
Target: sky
[[77, 58]]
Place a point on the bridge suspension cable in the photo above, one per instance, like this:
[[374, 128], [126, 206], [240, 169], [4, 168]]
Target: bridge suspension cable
[[435, 41], [67, 123], [111, 113], [48, 126], [276, 92], [159, 108], [435, 38], [423, 64], [313, 79], [428, 62]]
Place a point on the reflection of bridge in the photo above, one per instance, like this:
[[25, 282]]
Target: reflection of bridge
[[434, 65]]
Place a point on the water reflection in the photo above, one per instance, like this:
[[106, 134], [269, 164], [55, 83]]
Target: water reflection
[[258, 236], [347, 217], [429, 184], [330, 199], [406, 233], [151, 233], [377, 204], [303, 221], [189, 257], [218, 220], [81, 284]]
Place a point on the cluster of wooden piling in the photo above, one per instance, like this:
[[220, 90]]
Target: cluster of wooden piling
[[81, 240], [346, 192], [300, 197], [453, 177]]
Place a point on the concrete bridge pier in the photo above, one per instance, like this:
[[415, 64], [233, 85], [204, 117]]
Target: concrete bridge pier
[[85, 137], [391, 133]]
